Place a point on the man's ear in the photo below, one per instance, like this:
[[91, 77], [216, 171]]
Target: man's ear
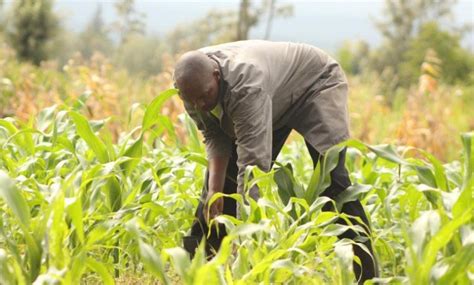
[[217, 73]]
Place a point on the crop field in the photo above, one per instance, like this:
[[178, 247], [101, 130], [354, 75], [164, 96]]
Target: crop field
[[76, 207]]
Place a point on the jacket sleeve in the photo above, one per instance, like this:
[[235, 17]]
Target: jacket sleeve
[[251, 113], [216, 141]]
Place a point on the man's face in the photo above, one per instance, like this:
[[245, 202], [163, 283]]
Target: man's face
[[203, 95]]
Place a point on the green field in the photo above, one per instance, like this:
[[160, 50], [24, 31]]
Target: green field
[[101, 168], [78, 207]]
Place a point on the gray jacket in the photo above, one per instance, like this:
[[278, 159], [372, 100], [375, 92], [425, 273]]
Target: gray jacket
[[267, 85]]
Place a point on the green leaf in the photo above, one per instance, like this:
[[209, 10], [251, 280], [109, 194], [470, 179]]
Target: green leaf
[[460, 265], [328, 164], [225, 250], [465, 200], [247, 229], [440, 240], [133, 151], [9, 126], [6, 275], [150, 118], [152, 261], [285, 182], [468, 158], [387, 152], [313, 184], [85, 132], [196, 157], [352, 193], [81, 100], [114, 191], [100, 269], [74, 210], [19, 206], [14, 199], [45, 118], [181, 262], [345, 256], [78, 268], [439, 174], [194, 142], [426, 176]]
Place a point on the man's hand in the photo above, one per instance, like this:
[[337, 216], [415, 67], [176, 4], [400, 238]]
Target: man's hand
[[215, 209], [217, 172]]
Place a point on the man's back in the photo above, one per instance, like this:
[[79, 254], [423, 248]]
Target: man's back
[[287, 72], [286, 67]]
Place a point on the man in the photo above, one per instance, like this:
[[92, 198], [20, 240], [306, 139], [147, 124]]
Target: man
[[246, 97]]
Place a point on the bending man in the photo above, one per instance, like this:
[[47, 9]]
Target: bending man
[[246, 97]]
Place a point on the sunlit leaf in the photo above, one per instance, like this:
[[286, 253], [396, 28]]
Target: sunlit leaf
[[85, 132], [152, 111]]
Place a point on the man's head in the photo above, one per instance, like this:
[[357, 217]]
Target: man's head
[[197, 78]]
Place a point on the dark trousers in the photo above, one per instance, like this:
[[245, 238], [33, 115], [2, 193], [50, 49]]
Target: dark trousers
[[339, 182]]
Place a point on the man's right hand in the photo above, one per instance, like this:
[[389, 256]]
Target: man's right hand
[[215, 209], [217, 172]]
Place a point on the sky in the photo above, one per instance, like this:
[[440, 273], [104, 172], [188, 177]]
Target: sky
[[326, 24]]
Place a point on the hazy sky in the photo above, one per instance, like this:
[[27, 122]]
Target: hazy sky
[[323, 23]]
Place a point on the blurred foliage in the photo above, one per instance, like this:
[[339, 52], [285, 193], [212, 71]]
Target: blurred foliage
[[1, 17], [33, 27], [401, 22], [353, 56], [430, 73], [220, 26], [130, 22], [141, 56], [424, 116], [457, 63], [25, 89], [215, 27], [251, 15], [95, 37], [410, 29]]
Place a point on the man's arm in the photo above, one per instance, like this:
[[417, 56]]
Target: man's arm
[[251, 114], [217, 172], [218, 149]]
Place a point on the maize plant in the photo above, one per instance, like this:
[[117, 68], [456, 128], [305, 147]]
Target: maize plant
[[76, 208]]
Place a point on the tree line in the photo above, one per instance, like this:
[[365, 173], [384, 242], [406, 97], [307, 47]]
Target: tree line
[[409, 29]]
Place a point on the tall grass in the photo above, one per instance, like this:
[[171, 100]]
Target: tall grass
[[78, 208]]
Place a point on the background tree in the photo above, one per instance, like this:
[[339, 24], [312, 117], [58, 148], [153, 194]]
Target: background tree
[[130, 22], [34, 26], [401, 23], [95, 36], [1, 16], [456, 64], [220, 26], [141, 55], [216, 27], [353, 56], [250, 16], [247, 18]]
